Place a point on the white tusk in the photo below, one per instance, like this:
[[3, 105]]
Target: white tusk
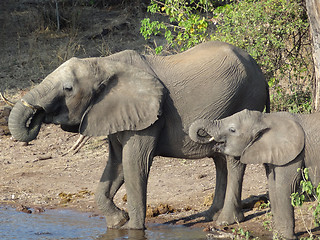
[[11, 104], [78, 145], [211, 139]]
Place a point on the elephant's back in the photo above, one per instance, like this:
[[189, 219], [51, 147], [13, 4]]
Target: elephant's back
[[213, 51], [212, 80], [210, 64], [207, 80]]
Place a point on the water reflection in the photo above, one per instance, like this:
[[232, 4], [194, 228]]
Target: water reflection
[[66, 224], [156, 232], [123, 234]]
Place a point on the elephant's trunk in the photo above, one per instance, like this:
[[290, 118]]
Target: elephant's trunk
[[25, 119], [201, 131]]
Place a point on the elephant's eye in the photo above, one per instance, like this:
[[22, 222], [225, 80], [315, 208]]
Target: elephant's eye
[[67, 88], [232, 129]]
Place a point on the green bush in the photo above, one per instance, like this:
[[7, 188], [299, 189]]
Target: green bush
[[274, 32], [185, 28]]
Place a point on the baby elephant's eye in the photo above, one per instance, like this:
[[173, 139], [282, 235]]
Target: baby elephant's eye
[[232, 129], [68, 87]]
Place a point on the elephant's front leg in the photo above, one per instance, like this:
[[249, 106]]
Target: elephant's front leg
[[138, 154], [110, 182], [220, 191], [281, 182], [232, 210]]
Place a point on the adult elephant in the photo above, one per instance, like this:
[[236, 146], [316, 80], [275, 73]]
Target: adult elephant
[[145, 104]]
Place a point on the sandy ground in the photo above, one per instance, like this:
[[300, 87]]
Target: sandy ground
[[39, 175]]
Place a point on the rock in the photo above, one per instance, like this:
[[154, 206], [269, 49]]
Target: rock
[[38, 210], [254, 201], [219, 234], [160, 209], [4, 115], [124, 198], [208, 200], [24, 209]]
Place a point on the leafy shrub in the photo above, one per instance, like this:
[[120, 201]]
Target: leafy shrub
[[186, 26], [274, 32]]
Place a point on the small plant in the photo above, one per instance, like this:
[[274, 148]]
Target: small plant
[[240, 233], [264, 205], [299, 198], [267, 223]]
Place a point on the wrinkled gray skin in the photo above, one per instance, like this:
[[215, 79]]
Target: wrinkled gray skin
[[145, 104], [282, 141]]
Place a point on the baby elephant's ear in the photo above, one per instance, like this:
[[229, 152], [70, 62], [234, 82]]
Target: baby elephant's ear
[[278, 144]]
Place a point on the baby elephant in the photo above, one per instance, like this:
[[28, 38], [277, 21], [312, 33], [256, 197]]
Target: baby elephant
[[282, 141]]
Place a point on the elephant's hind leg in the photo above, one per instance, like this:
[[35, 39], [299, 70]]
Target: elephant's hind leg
[[110, 182]]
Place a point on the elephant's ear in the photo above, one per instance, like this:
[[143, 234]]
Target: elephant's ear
[[130, 99], [279, 142]]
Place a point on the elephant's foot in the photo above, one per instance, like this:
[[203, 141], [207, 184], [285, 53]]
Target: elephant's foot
[[209, 215], [229, 217], [117, 220], [133, 226], [283, 232], [287, 236]]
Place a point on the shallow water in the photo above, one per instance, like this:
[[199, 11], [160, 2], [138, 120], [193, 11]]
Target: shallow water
[[67, 224]]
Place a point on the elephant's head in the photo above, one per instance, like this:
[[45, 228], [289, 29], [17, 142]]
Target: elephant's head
[[253, 136], [94, 96]]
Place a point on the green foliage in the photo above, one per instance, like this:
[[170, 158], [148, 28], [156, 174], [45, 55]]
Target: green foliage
[[186, 26], [307, 189], [274, 32], [267, 223], [240, 233], [264, 28], [294, 99]]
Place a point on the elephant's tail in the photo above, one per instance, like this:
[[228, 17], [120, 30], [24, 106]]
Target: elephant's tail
[[268, 99]]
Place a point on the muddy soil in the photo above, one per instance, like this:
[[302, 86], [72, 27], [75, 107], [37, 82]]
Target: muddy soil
[[40, 175]]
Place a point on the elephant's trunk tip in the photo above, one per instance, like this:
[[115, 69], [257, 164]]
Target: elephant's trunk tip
[[25, 122], [198, 132]]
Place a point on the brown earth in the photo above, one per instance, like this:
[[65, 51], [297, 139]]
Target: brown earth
[[40, 175]]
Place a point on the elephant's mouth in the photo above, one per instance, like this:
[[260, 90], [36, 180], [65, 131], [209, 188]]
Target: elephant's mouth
[[50, 117], [38, 114], [218, 144], [219, 147]]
